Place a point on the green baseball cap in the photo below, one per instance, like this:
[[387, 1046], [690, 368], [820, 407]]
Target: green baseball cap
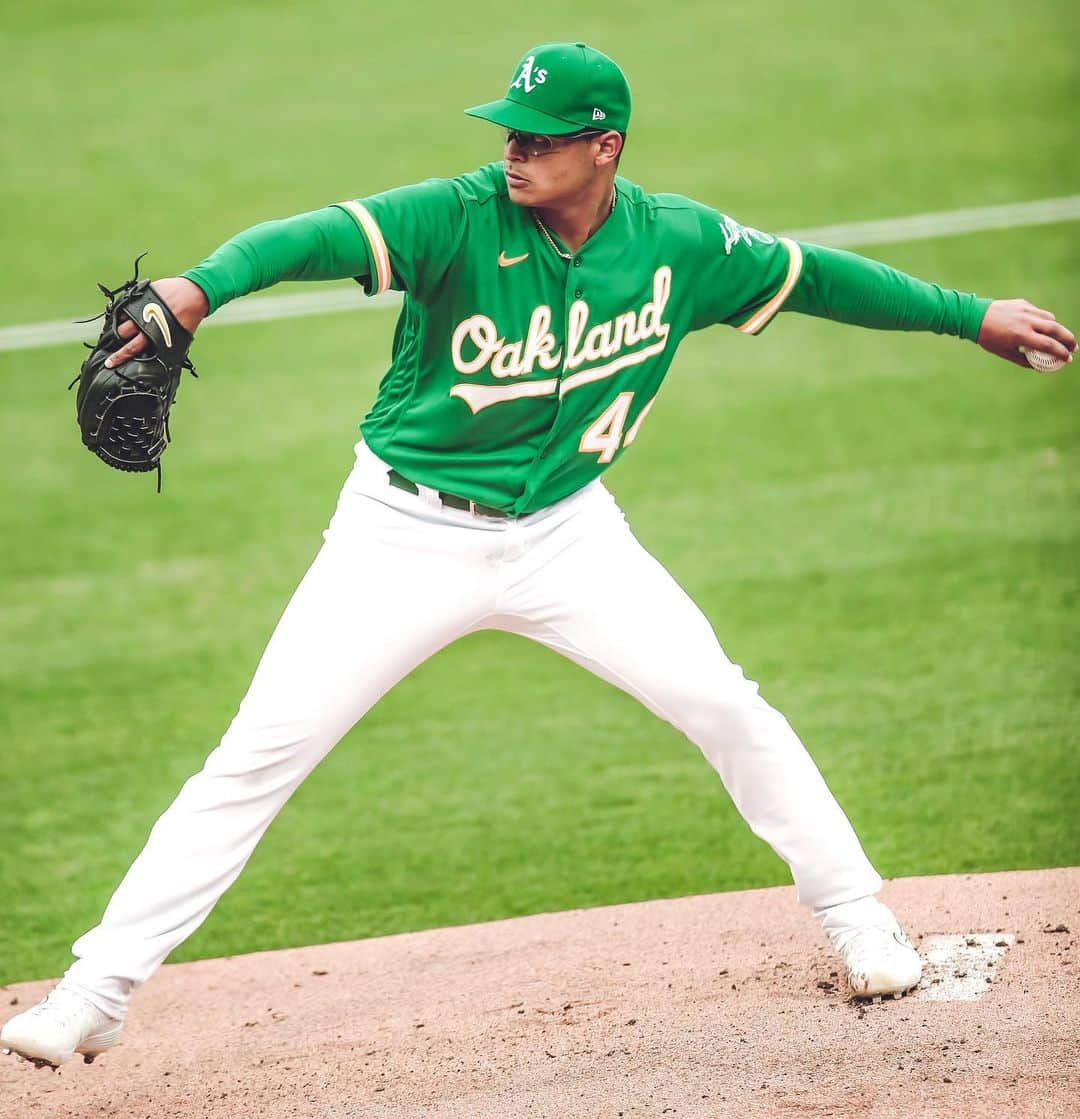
[[558, 88]]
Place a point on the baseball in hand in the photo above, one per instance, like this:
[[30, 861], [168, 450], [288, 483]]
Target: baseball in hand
[[1044, 363]]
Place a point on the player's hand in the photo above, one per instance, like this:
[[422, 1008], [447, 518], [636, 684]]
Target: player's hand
[[185, 299], [1012, 323]]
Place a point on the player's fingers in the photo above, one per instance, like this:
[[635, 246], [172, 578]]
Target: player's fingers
[[1047, 344], [136, 345], [1041, 313], [1056, 330], [127, 328]]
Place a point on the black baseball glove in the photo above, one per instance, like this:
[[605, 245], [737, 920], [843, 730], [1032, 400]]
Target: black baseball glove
[[123, 413]]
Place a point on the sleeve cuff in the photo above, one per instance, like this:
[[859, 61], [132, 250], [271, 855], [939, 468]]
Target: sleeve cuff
[[971, 321], [200, 278]]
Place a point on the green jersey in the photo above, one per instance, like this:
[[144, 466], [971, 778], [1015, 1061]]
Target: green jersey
[[521, 371]]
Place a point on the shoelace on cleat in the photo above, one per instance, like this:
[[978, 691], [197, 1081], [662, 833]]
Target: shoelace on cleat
[[61, 1005]]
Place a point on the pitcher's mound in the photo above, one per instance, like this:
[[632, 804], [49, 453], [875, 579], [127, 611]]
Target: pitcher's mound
[[730, 1004]]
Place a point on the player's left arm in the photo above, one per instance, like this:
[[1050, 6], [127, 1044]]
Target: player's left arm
[[849, 288]]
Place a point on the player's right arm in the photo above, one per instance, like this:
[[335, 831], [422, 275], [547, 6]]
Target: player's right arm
[[849, 288], [745, 277]]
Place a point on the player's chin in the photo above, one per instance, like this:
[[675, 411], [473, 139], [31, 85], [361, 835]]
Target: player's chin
[[519, 188]]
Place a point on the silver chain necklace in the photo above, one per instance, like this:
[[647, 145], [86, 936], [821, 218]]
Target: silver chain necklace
[[551, 240]]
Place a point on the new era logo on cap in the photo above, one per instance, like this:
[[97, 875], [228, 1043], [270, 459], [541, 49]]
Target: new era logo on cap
[[598, 114]]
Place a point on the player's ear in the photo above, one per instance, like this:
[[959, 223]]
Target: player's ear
[[609, 146]]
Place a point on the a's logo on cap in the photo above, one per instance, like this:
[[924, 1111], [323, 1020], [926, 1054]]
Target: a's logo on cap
[[529, 78], [599, 114]]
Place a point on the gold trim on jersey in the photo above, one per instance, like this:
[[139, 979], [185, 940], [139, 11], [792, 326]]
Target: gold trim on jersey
[[379, 251], [764, 314], [632, 434]]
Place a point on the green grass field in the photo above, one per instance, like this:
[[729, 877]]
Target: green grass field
[[882, 528]]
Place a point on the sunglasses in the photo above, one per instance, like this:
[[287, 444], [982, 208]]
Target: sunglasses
[[537, 144]]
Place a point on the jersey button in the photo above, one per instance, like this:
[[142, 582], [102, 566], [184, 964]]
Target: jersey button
[[578, 293], [577, 262]]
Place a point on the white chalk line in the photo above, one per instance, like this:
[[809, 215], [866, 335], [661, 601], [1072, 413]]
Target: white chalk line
[[327, 300]]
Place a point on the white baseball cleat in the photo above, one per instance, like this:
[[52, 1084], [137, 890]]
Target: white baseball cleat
[[58, 1027], [880, 959]]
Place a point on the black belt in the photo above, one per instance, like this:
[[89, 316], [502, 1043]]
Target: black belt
[[402, 483]]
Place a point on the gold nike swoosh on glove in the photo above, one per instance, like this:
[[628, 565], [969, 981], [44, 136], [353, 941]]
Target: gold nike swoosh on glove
[[152, 312], [505, 261]]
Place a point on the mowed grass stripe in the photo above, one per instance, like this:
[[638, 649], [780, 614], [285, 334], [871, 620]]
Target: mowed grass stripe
[[327, 300], [945, 223]]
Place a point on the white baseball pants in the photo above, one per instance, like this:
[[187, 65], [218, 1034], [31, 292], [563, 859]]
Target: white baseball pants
[[400, 576]]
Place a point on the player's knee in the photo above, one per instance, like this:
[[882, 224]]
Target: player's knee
[[254, 751], [723, 718]]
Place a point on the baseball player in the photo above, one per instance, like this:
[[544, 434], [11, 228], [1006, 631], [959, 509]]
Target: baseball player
[[544, 299]]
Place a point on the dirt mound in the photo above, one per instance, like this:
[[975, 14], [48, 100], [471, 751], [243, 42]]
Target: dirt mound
[[729, 1004]]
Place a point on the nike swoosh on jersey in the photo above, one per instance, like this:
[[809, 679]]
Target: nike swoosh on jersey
[[153, 313], [505, 261]]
